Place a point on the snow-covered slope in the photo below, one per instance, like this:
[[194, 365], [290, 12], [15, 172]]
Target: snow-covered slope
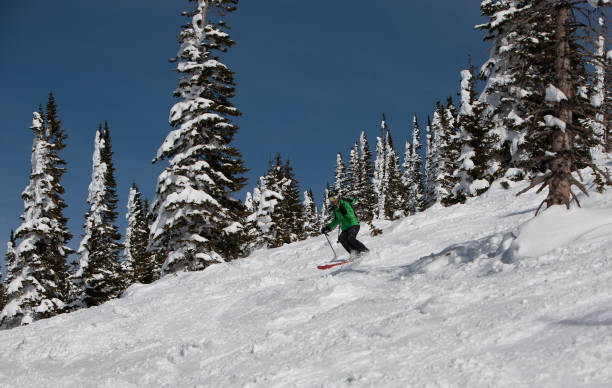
[[448, 298]]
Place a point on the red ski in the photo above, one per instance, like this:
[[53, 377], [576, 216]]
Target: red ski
[[335, 264]]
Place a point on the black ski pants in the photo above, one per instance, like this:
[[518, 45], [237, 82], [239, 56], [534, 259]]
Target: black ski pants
[[348, 239]]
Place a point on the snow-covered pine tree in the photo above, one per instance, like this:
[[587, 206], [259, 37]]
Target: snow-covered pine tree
[[312, 226], [325, 217], [277, 234], [267, 221], [478, 162], [251, 232], [2, 294], [366, 203], [600, 96], [197, 221], [380, 173], [442, 154], [560, 142], [396, 199], [354, 173], [138, 262], [38, 277], [56, 137], [341, 180], [10, 263], [431, 165], [406, 175], [100, 276], [450, 150], [130, 216], [291, 207], [255, 209], [412, 177], [519, 67]]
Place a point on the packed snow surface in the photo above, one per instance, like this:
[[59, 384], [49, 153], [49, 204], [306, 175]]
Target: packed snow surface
[[475, 295]]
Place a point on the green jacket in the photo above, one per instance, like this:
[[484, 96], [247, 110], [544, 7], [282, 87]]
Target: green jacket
[[344, 214]]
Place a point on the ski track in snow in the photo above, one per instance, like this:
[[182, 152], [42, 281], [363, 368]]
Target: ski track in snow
[[438, 302]]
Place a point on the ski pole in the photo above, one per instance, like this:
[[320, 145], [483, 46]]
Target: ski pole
[[330, 245]]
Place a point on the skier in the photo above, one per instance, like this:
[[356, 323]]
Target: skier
[[342, 210]]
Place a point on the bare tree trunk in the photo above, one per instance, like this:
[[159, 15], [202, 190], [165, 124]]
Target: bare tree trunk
[[561, 166]]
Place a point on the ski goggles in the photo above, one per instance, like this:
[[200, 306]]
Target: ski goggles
[[334, 198]]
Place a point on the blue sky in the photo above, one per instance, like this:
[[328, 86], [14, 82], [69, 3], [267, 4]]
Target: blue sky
[[310, 76]]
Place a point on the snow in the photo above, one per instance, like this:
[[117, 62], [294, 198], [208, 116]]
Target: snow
[[553, 94], [558, 227], [552, 121], [466, 106], [474, 295]]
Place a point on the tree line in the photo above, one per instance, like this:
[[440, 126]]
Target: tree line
[[543, 114]]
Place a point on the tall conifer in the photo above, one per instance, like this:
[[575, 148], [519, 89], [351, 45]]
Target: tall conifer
[[396, 199], [100, 276], [430, 165], [291, 206], [378, 180], [197, 220], [366, 204], [354, 173], [560, 142], [10, 262], [478, 164], [341, 179], [312, 224], [413, 178], [139, 263], [38, 277]]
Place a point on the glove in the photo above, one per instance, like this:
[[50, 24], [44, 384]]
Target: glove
[[325, 229]]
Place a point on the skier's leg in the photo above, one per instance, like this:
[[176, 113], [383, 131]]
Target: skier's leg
[[352, 239], [344, 240]]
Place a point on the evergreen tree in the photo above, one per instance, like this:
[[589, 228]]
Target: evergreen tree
[[10, 271], [326, 206], [292, 209], [38, 276], [413, 178], [251, 231], [279, 234], [428, 164], [600, 97], [354, 173], [261, 204], [312, 226], [10, 263], [560, 142], [380, 173], [478, 161], [396, 199], [2, 294], [138, 262], [433, 184], [517, 71], [100, 276], [448, 150], [341, 180], [266, 208], [197, 221], [366, 204]]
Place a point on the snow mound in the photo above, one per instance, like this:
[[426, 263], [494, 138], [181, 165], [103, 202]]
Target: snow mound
[[556, 228]]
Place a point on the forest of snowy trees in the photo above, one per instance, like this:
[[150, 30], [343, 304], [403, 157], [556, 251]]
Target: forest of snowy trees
[[542, 112]]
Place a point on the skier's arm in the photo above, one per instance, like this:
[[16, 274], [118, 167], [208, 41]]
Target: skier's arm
[[334, 222]]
